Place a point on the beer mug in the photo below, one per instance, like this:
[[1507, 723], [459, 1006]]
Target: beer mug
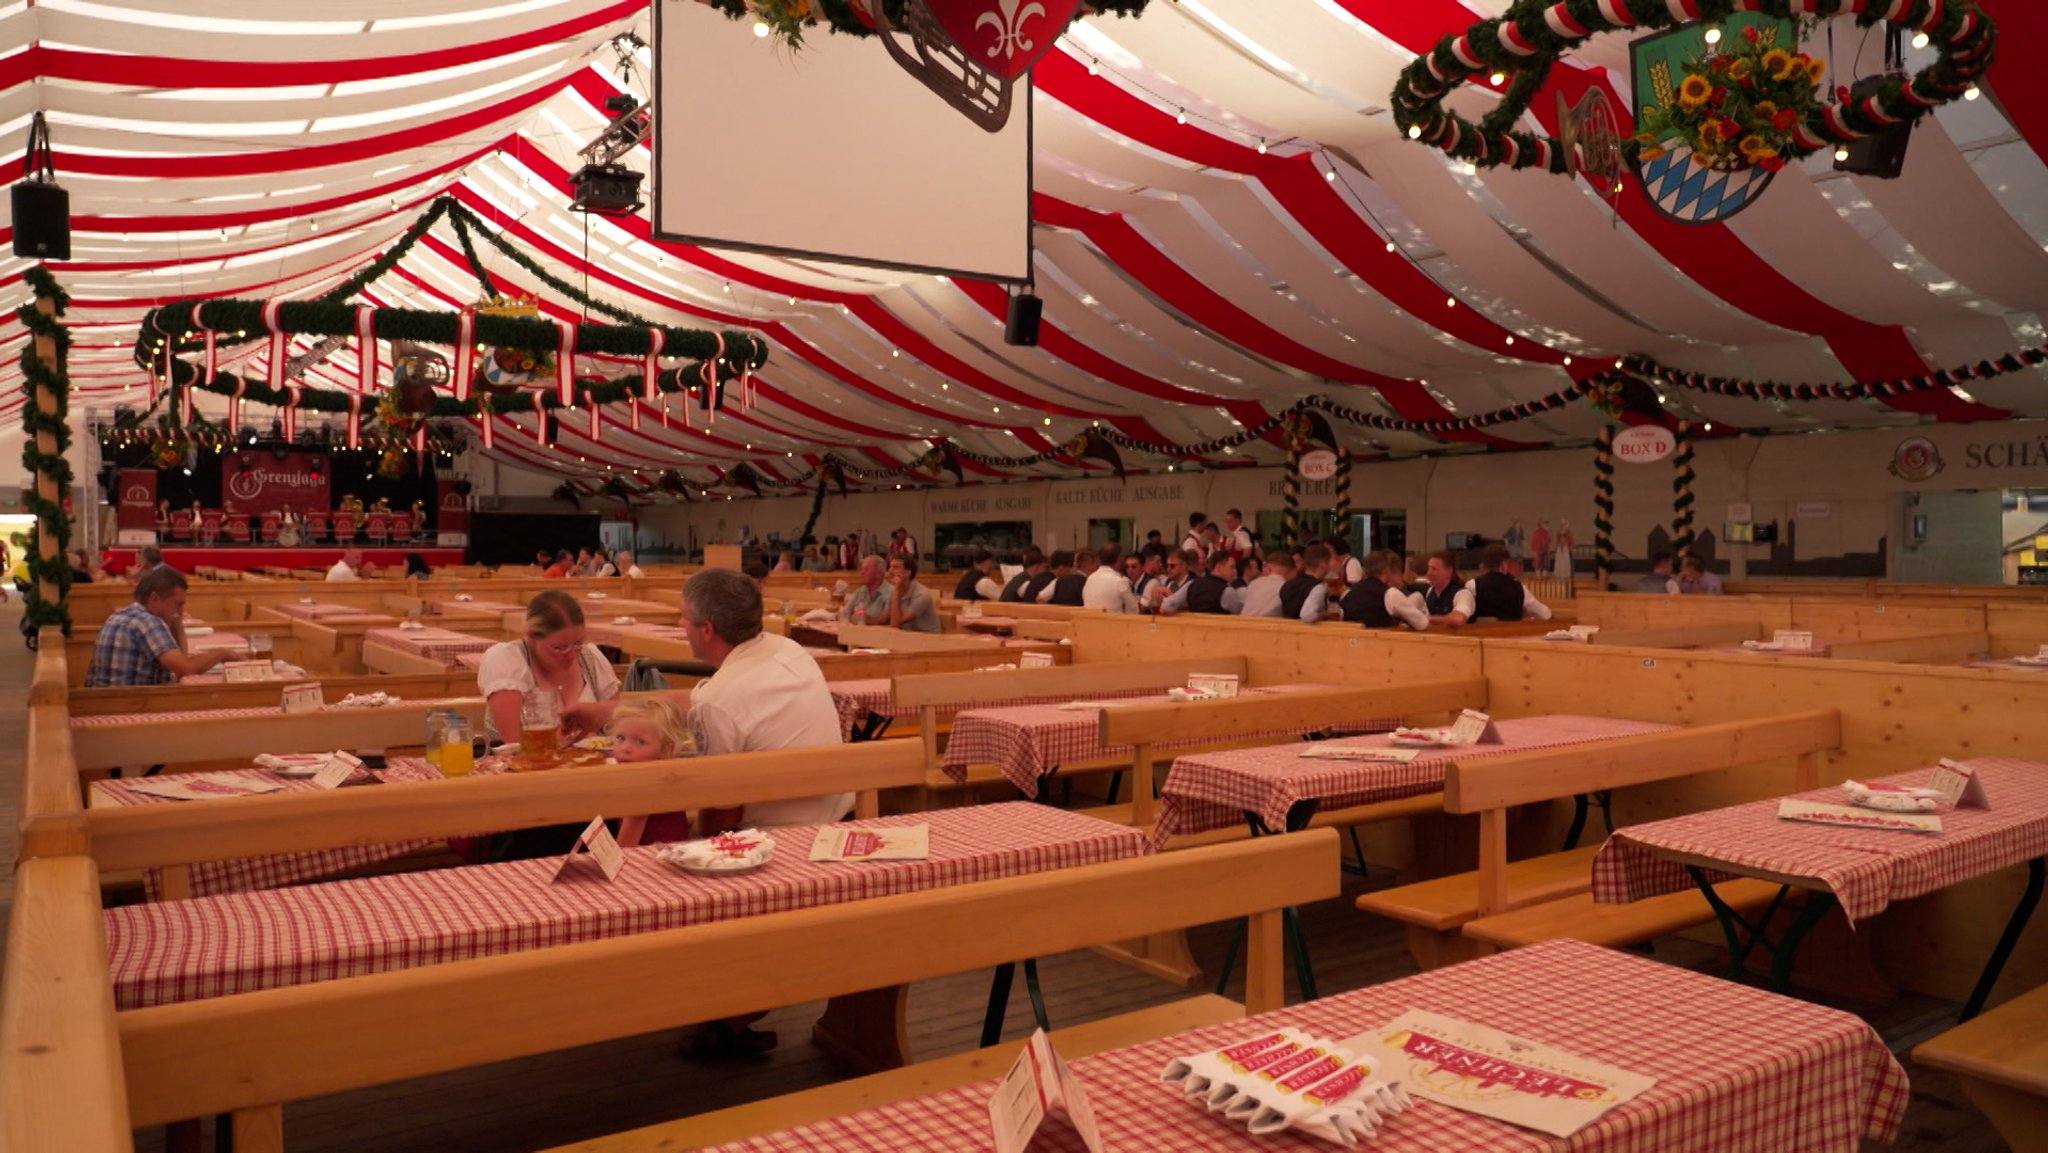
[[539, 724], [458, 753]]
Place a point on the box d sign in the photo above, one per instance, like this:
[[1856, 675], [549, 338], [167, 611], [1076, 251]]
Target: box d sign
[[1644, 443]]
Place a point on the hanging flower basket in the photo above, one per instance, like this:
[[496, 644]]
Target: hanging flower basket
[[1735, 110]]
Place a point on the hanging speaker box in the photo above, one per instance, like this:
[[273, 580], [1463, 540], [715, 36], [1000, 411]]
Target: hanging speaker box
[[1020, 326], [42, 221]]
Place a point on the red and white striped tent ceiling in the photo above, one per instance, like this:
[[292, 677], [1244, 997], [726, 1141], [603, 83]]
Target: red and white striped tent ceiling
[[1193, 281]]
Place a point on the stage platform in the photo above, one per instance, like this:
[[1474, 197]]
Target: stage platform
[[186, 558]]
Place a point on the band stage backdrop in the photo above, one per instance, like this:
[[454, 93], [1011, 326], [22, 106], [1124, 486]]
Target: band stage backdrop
[[254, 483]]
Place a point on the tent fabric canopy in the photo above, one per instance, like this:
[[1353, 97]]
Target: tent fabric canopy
[[1227, 221]]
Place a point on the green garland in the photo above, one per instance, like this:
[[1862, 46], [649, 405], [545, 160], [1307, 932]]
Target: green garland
[[170, 329], [1681, 493], [50, 515], [1603, 508], [1526, 41]]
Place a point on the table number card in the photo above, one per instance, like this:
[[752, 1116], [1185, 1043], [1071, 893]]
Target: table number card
[[339, 768], [1034, 660], [304, 697], [1220, 685], [1473, 728], [1850, 817], [1038, 1085], [1959, 785], [243, 672], [597, 842], [1485, 1071]]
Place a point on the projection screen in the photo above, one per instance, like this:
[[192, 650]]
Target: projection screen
[[830, 152]]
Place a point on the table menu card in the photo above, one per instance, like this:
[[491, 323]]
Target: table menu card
[[596, 842], [304, 697], [857, 843], [1793, 640], [1848, 816], [1485, 1071], [1472, 728], [239, 672], [1213, 684], [339, 767], [203, 786], [1327, 752], [1037, 1086], [1034, 660]]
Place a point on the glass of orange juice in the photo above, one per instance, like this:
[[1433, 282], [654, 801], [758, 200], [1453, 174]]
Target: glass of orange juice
[[458, 755]]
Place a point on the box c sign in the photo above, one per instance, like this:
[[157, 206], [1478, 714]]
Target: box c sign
[[1321, 464], [1644, 444]]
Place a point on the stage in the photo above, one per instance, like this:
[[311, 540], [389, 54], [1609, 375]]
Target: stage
[[186, 558]]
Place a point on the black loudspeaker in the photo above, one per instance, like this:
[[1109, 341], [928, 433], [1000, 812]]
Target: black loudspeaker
[[42, 222], [1882, 155], [1021, 325]]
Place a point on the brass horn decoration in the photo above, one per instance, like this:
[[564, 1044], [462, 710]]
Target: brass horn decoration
[[1591, 138]]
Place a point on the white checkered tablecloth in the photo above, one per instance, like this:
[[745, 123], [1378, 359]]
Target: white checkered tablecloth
[[1865, 869], [1214, 790], [1028, 741], [434, 644], [238, 942], [209, 877], [318, 610], [1735, 1068]]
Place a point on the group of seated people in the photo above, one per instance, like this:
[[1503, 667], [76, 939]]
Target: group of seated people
[[1313, 584], [586, 562], [1691, 579]]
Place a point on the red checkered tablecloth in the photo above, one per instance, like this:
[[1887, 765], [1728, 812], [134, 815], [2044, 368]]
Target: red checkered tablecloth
[[238, 942], [1028, 741], [441, 645], [1865, 869], [470, 661], [209, 877], [858, 700], [1214, 790], [1735, 1068], [318, 610]]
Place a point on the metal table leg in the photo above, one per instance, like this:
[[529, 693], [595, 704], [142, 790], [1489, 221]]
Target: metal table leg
[[1298, 818], [1580, 805], [999, 1000], [1744, 935], [2014, 926]]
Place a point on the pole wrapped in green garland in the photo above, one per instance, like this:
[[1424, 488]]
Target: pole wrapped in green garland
[[46, 384], [1603, 507], [1681, 493]]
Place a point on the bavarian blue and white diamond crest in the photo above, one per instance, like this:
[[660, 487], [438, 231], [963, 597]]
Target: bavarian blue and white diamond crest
[[1686, 192]]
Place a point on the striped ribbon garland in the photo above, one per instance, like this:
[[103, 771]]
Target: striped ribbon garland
[[1681, 493], [1340, 511], [1290, 493], [1603, 507]]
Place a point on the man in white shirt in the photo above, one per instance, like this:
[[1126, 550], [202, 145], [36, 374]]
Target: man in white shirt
[[626, 566], [1262, 593], [1378, 601], [345, 568], [1236, 537], [1447, 599], [1108, 589], [1193, 541], [766, 694]]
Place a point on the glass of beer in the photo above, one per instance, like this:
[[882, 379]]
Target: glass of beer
[[458, 754], [539, 725]]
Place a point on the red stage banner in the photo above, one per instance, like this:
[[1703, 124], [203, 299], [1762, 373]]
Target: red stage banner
[[135, 498], [451, 508], [253, 483]]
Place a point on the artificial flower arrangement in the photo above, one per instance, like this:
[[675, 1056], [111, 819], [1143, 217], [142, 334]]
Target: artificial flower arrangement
[[1735, 109]]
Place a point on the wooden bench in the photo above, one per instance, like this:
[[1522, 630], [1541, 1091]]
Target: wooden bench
[[1439, 912], [2001, 1058], [247, 1054]]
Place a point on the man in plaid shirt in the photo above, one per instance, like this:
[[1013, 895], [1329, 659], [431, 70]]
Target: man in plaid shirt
[[144, 643]]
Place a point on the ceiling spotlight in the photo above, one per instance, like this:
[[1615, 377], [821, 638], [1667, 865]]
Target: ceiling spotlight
[[1471, 169], [1390, 246], [1181, 117], [1511, 340], [1713, 34], [1498, 79], [1330, 175], [1450, 302], [1971, 93], [1841, 152], [1567, 360], [1415, 132], [1093, 66], [1262, 147], [1920, 40], [761, 29]]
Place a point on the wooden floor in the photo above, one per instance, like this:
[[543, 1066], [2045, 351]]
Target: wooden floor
[[543, 1101]]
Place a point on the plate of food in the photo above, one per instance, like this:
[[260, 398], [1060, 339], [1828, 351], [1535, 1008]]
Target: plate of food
[[1407, 738], [292, 766], [725, 855], [569, 758], [600, 742]]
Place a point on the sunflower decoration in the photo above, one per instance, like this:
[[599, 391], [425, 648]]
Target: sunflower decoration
[[391, 464], [1735, 109], [166, 453], [392, 413]]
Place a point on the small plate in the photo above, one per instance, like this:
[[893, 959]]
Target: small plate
[[698, 870], [1422, 739], [600, 743]]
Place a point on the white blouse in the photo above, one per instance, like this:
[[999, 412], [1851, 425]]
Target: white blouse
[[505, 668]]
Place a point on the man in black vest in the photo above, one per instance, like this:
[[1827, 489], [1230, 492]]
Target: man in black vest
[[1067, 582], [1305, 597], [1210, 592], [1446, 598], [1027, 586], [1497, 595], [1377, 602], [978, 583]]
